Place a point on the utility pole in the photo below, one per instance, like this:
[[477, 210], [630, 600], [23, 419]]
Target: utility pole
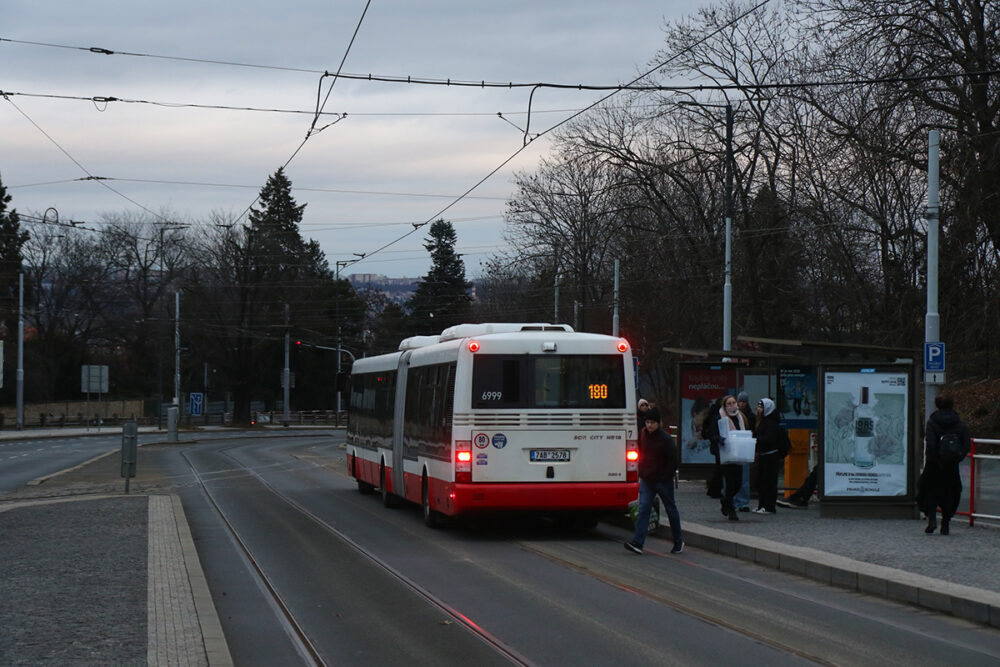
[[285, 374], [932, 321], [177, 350], [727, 290], [20, 353], [614, 318]]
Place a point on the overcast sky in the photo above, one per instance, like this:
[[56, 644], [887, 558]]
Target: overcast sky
[[402, 154]]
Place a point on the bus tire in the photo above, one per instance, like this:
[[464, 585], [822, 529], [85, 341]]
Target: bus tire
[[364, 488], [388, 499], [432, 518]]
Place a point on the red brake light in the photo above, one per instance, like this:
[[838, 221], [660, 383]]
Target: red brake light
[[463, 461], [632, 461], [622, 345], [473, 346]]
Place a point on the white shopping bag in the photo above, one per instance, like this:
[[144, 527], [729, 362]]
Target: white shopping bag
[[738, 447]]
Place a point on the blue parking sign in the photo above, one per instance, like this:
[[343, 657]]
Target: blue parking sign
[[934, 357], [197, 400]]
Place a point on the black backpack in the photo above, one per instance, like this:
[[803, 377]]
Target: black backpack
[[950, 449]]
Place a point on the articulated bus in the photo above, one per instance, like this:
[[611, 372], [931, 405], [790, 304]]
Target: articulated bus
[[497, 417]]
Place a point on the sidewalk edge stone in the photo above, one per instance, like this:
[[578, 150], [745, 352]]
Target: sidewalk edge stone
[[216, 647], [961, 601]]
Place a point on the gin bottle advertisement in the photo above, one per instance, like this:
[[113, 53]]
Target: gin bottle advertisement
[[865, 433]]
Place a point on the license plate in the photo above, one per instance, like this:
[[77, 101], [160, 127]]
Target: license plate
[[549, 455]]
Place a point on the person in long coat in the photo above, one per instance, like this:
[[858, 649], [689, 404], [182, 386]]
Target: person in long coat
[[940, 483]]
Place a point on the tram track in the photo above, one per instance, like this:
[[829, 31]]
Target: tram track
[[295, 629]]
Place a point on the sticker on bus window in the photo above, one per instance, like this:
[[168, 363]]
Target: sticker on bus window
[[482, 440], [499, 440]]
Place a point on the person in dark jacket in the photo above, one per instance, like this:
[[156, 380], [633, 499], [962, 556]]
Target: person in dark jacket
[[940, 483], [641, 408], [770, 441], [657, 465]]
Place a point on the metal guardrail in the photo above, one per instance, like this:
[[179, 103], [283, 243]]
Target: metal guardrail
[[976, 486], [304, 417]]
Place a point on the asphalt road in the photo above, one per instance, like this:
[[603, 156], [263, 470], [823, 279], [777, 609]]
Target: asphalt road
[[303, 569], [370, 584]]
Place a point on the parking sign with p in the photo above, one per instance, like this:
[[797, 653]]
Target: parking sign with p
[[934, 357]]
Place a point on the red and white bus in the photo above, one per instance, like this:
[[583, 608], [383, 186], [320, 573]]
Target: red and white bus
[[492, 417]]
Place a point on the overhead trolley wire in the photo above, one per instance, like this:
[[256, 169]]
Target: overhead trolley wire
[[483, 84], [566, 120]]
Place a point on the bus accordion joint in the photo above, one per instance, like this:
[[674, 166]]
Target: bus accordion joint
[[463, 461], [632, 461]]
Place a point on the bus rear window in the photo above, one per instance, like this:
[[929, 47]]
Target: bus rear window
[[549, 381]]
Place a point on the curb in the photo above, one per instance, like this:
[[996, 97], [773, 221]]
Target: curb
[[958, 600], [216, 648]]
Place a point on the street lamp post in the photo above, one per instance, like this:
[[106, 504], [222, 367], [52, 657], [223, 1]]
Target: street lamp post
[[727, 289], [159, 365], [340, 341]]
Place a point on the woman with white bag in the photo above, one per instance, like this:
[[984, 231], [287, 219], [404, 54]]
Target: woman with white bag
[[729, 419]]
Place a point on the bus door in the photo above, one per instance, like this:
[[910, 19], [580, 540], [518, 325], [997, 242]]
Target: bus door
[[397, 421]]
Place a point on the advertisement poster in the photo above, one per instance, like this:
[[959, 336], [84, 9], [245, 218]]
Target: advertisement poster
[[865, 433], [700, 387], [797, 397]]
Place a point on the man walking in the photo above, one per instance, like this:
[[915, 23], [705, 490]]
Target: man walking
[[657, 465]]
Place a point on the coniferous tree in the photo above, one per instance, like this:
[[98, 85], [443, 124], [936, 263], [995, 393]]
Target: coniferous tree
[[12, 239], [442, 297]]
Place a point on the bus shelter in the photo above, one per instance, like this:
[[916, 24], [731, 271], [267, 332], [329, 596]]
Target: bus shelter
[[832, 398]]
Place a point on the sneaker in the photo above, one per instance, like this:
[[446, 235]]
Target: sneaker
[[678, 547], [782, 502], [761, 510], [633, 547]]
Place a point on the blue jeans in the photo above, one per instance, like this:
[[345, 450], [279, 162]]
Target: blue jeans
[[742, 498], [647, 493]]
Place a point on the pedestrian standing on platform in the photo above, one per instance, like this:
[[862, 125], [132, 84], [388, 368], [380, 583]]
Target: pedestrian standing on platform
[[732, 473], [657, 465], [742, 497], [642, 407], [771, 450], [940, 484]]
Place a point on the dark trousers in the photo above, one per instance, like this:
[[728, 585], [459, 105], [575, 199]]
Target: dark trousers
[[647, 494], [767, 480], [808, 488], [732, 473]]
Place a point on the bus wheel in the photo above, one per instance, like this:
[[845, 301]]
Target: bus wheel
[[388, 500], [432, 518], [364, 488]]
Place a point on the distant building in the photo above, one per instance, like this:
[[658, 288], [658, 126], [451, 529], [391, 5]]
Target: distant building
[[397, 290]]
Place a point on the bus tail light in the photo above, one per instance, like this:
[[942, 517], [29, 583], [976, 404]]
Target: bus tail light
[[632, 461], [622, 345], [463, 461]]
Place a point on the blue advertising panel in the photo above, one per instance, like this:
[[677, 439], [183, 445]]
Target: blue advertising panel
[[797, 396]]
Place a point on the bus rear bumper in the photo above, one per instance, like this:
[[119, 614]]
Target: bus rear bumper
[[562, 496]]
